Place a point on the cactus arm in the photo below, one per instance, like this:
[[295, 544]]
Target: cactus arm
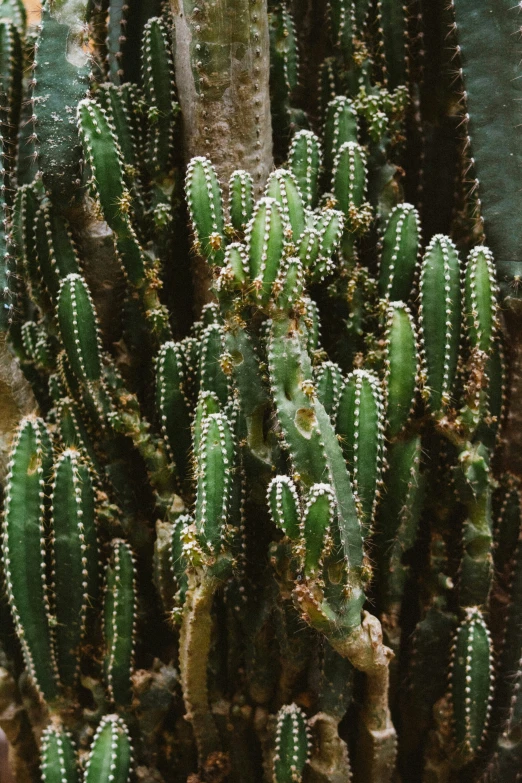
[[59, 43], [402, 367], [173, 405], [75, 560], [79, 328], [24, 550], [400, 248], [194, 647], [240, 189], [440, 315], [393, 28], [292, 745], [471, 684], [58, 757], [158, 90], [214, 464], [116, 25], [119, 623], [360, 427], [304, 159], [493, 117], [110, 756], [222, 75], [57, 256]]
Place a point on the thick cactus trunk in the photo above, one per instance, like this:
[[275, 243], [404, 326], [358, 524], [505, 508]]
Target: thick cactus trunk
[[222, 75]]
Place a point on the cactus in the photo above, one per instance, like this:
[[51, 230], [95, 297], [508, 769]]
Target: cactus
[[260, 487]]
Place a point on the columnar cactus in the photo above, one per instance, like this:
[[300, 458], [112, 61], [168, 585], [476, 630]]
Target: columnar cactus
[[255, 523]]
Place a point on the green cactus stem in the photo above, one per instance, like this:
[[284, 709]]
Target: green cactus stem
[[440, 321], [402, 367], [58, 756], [292, 745], [24, 552], [399, 255], [61, 42], [360, 425], [304, 159], [240, 189], [470, 684], [75, 559], [120, 623], [110, 756]]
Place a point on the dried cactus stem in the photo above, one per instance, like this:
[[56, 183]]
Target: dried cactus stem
[[364, 648], [194, 647]]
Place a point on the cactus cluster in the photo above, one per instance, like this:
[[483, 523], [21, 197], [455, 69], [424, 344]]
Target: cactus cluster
[[257, 526]]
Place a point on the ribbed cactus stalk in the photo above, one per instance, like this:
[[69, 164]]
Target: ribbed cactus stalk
[[256, 524]]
